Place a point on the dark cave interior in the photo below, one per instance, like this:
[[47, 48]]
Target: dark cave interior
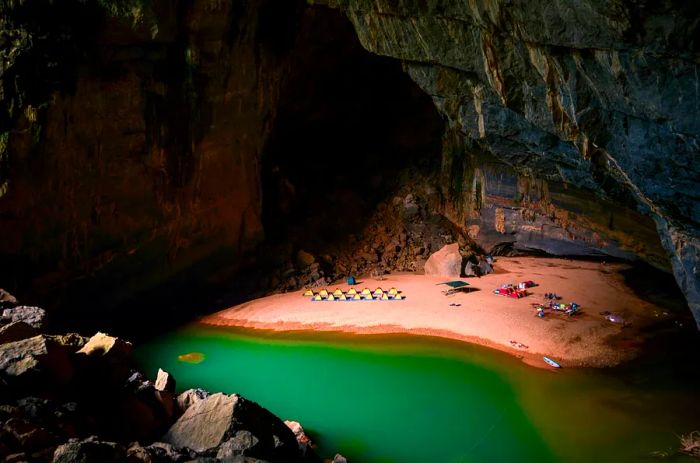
[[349, 123]]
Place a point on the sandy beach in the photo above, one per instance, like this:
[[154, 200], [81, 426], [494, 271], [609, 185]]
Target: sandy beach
[[585, 339]]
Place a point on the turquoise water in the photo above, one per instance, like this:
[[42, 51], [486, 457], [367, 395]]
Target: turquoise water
[[418, 399]]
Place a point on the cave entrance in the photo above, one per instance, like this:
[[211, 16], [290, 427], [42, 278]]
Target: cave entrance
[[350, 127]]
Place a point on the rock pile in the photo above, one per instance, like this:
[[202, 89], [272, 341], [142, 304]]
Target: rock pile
[[400, 237], [69, 398]]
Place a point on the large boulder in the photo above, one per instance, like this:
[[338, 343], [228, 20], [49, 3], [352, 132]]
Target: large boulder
[[32, 316], [445, 262], [214, 420]]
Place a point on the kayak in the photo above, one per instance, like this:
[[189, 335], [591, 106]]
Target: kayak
[[551, 362]]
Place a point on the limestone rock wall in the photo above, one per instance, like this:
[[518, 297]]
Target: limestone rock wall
[[149, 160], [599, 95]]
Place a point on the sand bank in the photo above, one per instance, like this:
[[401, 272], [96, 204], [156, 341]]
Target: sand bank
[[586, 339]]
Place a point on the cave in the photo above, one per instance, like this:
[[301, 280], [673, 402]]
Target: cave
[[348, 127], [365, 216]]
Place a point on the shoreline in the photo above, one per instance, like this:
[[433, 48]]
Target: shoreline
[[483, 318]]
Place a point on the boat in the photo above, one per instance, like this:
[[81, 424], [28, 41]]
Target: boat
[[551, 362]]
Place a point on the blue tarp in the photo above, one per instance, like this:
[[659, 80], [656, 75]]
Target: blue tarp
[[455, 283]]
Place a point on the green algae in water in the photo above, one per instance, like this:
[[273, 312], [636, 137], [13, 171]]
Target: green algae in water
[[415, 399]]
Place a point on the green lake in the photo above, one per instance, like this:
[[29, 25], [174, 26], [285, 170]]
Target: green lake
[[419, 399]]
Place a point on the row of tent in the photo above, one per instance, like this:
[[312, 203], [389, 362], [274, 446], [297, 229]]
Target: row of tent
[[353, 295]]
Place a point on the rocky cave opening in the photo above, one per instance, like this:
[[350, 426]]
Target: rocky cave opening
[[349, 127]]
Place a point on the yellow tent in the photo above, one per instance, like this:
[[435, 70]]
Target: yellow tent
[[308, 292], [317, 298], [342, 297], [356, 297], [393, 291], [368, 297], [323, 293], [352, 292], [378, 292], [331, 297], [398, 297], [385, 297], [366, 291], [337, 292]]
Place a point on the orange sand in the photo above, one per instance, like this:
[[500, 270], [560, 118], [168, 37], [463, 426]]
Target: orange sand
[[586, 339]]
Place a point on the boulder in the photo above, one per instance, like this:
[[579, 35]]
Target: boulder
[[445, 262], [26, 360], [108, 347], [190, 397], [32, 316], [16, 331], [304, 259], [137, 454], [165, 381], [302, 439], [241, 443], [72, 342], [163, 451], [212, 421], [105, 357], [90, 450]]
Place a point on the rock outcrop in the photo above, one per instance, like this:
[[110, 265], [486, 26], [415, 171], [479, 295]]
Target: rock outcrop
[[236, 426], [599, 97]]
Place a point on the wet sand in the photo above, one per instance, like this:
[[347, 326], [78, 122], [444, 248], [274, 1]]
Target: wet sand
[[585, 339]]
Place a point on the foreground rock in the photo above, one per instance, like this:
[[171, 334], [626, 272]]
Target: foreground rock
[[90, 450], [32, 316], [243, 426], [16, 331], [69, 398], [28, 362]]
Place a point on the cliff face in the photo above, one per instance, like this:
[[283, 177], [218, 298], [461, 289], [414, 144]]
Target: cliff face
[[148, 160], [599, 96]]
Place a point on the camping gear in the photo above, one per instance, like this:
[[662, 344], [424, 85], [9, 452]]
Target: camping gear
[[510, 290], [308, 292], [455, 283], [352, 292], [551, 362], [351, 280], [378, 292], [393, 292]]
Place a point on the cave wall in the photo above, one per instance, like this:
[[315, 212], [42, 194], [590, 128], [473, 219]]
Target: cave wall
[[597, 95], [147, 162]]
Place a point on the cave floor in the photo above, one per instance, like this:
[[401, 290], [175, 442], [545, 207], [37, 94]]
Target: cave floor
[[479, 316]]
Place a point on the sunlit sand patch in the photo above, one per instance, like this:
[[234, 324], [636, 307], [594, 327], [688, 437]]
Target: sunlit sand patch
[[192, 357]]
